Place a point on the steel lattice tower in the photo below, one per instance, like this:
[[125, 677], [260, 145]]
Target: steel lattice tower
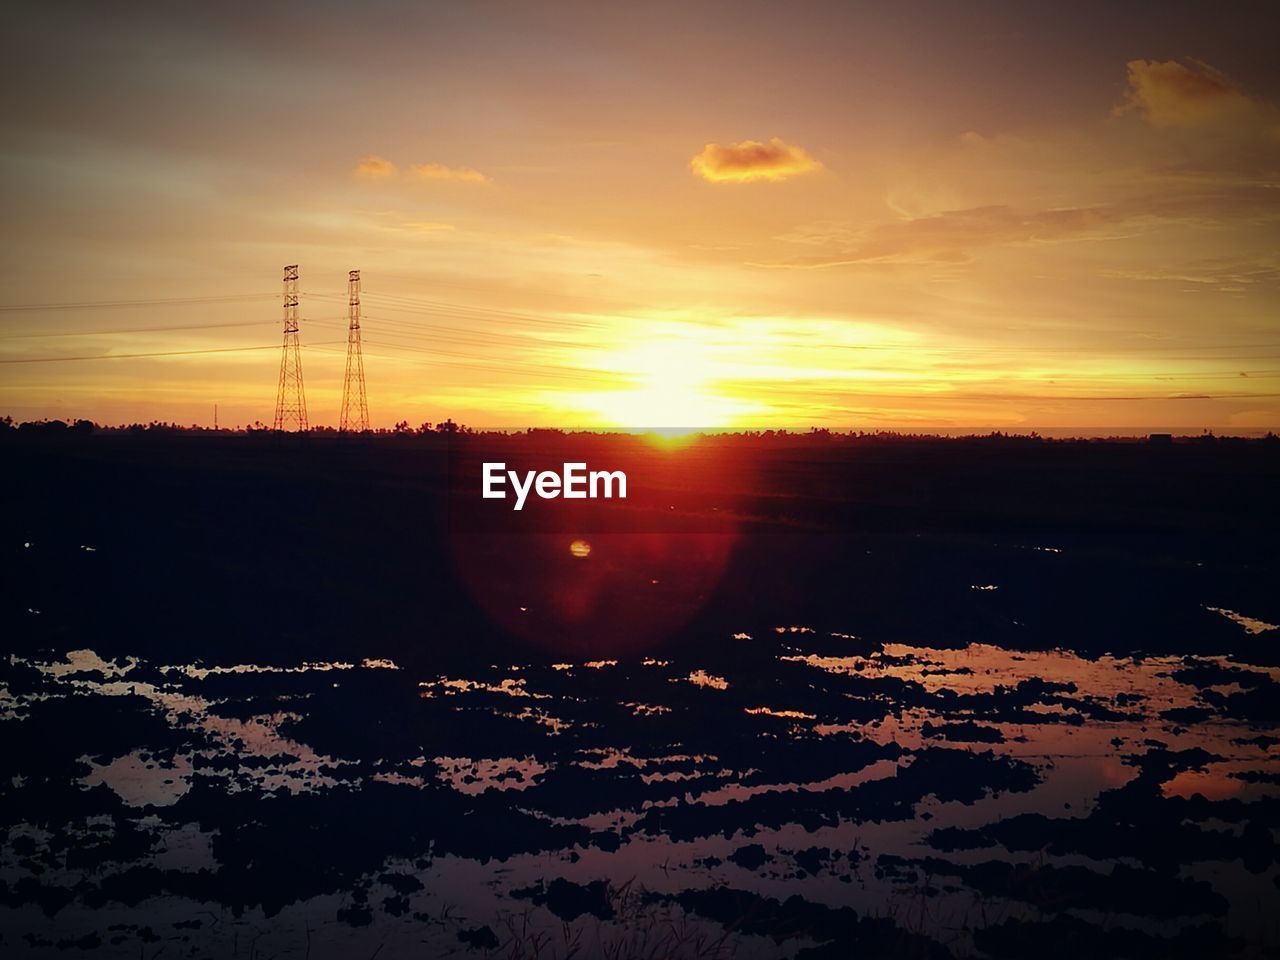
[[291, 402], [355, 408]]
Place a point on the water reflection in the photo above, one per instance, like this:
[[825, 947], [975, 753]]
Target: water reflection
[[798, 789]]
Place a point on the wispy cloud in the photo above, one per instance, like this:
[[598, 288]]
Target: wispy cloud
[[374, 167], [439, 171], [1226, 274], [948, 237], [751, 160], [953, 236], [428, 227]]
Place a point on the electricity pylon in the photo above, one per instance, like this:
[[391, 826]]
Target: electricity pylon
[[291, 402], [355, 408]]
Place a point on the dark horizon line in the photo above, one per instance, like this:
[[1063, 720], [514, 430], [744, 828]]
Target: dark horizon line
[[448, 427]]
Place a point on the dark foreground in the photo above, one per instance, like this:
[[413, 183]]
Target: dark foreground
[[921, 699]]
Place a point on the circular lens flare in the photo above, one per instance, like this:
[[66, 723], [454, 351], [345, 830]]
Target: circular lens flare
[[638, 590]]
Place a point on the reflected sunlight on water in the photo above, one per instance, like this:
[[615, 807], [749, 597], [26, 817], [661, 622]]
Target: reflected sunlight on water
[[859, 776]]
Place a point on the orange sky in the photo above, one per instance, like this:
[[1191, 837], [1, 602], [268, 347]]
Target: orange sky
[[655, 215]]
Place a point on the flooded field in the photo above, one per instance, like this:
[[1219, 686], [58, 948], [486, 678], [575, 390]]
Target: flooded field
[[800, 794], [863, 744]]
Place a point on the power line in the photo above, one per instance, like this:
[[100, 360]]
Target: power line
[[106, 304], [443, 333], [484, 314], [495, 315], [112, 333], [439, 334], [471, 362], [472, 314], [136, 356], [421, 343]]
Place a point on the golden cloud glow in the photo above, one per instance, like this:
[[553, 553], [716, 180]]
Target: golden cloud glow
[[374, 168], [1173, 94], [751, 160], [438, 171]]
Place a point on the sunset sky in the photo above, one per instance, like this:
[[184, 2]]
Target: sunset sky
[[689, 214]]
